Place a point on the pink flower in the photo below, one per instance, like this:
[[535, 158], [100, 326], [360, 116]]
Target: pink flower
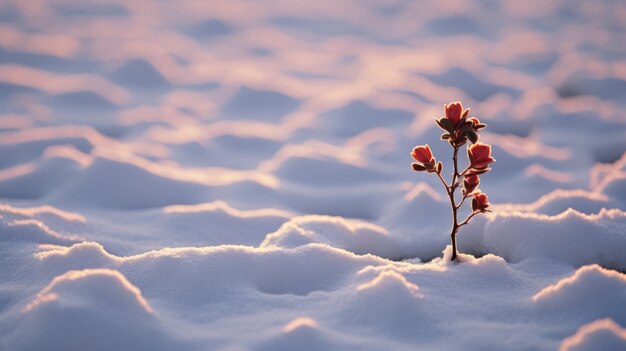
[[480, 155], [423, 154], [470, 183], [454, 112], [480, 202]]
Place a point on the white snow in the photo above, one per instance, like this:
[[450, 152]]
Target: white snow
[[236, 175], [602, 334], [84, 310]]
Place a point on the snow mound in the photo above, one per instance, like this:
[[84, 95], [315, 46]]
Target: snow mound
[[40, 212], [420, 220], [486, 270], [300, 323], [614, 185], [571, 237], [33, 231], [119, 180], [40, 225], [358, 116], [602, 334], [352, 235], [252, 104], [583, 84], [388, 300], [37, 179], [561, 200], [28, 145], [302, 333], [97, 309], [305, 333], [336, 172], [78, 256], [214, 273], [117, 184], [591, 292], [216, 223], [302, 330], [106, 286], [391, 284], [139, 74], [445, 260], [600, 172], [32, 225], [207, 149]]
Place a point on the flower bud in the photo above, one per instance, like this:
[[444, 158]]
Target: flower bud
[[476, 124], [470, 183], [480, 202], [454, 110], [479, 155], [423, 154]]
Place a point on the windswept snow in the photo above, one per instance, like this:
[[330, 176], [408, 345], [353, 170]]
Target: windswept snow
[[602, 334], [236, 175]]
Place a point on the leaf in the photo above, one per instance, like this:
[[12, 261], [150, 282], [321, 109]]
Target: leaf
[[438, 121], [417, 167], [466, 112], [466, 125], [445, 136], [446, 125], [479, 171], [472, 136], [480, 126], [439, 167]]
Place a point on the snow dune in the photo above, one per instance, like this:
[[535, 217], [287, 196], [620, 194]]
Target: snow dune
[[236, 176]]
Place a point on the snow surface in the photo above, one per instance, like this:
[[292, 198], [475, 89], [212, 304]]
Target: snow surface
[[235, 175]]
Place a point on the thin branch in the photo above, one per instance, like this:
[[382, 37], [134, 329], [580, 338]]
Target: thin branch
[[466, 169], [444, 182], [455, 175], [468, 218], [453, 186], [462, 201]]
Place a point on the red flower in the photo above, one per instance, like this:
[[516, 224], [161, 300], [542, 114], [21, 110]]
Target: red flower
[[423, 154], [454, 112], [474, 121], [480, 202], [480, 155], [470, 183]]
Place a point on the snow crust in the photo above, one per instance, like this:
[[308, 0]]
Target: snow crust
[[602, 334], [235, 176]]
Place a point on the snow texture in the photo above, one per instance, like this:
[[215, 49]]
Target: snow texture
[[234, 175]]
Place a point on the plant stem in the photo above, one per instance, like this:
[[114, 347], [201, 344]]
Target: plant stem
[[444, 183], [450, 189], [462, 201], [468, 219], [453, 186]]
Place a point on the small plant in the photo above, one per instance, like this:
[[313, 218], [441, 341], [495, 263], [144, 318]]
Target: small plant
[[459, 129]]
